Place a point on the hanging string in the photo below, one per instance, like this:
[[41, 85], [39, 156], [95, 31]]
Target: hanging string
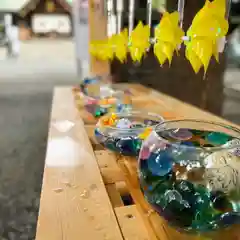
[[228, 8], [109, 17], [149, 13], [181, 4], [131, 16], [119, 15]]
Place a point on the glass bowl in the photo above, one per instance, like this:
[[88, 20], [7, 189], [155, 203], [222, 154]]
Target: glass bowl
[[100, 97], [124, 132], [189, 172]]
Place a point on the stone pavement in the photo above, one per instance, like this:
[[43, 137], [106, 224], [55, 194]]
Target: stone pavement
[[26, 86]]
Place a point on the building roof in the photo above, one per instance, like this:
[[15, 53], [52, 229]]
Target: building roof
[[18, 5], [12, 5]]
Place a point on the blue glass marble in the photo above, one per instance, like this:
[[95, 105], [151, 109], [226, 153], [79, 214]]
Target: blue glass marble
[[229, 219], [160, 164], [128, 146]]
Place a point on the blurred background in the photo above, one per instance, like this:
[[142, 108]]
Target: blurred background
[[43, 43]]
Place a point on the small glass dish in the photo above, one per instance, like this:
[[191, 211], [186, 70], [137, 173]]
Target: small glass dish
[[124, 132], [189, 171], [100, 97]]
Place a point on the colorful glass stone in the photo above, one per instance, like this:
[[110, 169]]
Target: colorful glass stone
[[145, 152], [123, 123], [229, 219], [147, 131], [217, 138], [128, 146], [160, 164], [222, 171], [181, 134], [220, 201]]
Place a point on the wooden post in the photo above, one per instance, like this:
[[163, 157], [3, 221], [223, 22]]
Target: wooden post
[[98, 31]]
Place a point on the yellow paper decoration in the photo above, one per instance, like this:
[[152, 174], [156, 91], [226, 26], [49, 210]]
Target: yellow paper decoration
[[120, 43], [208, 26], [102, 49], [168, 37], [139, 41]]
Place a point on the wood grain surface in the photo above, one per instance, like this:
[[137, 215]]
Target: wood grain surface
[[74, 202]]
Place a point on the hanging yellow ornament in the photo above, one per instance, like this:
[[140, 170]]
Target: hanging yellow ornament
[[208, 27], [139, 41], [102, 49], [120, 42], [106, 52], [168, 37]]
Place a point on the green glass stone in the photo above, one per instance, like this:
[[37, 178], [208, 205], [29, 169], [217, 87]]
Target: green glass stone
[[137, 145], [196, 132], [180, 214], [218, 138], [98, 113], [111, 145], [196, 143]]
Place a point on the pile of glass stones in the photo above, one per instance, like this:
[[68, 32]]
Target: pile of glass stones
[[189, 172], [124, 132], [100, 97]]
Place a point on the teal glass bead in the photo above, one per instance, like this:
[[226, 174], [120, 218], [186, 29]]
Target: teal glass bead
[[186, 189], [217, 138], [110, 145], [178, 212]]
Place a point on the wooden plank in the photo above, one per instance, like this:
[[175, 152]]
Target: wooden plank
[[114, 195], [90, 132], [74, 202], [110, 171], [182, 109], [97, 31], [131, 223]]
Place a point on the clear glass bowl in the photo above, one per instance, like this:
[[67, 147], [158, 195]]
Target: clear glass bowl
[[100, 96], [189, 172], [124, 132]]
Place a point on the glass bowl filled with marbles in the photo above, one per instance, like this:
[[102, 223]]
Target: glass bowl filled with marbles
[[100, 96], [124, 132], [189, 172]]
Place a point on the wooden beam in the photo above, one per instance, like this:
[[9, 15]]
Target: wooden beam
[[98, 31]]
